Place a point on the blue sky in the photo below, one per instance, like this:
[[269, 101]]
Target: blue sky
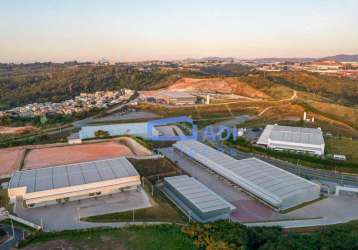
[[123, 30]]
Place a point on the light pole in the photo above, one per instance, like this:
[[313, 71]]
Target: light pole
[[13, 230], [78, 213]]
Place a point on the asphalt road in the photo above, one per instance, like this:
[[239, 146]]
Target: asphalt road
[[67, 216], [84, 122]]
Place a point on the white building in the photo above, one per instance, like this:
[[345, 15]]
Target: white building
[[339, 157], [59, 184], [197, 200], [309, 140], [74, 138], [136, 129], [270, 184]]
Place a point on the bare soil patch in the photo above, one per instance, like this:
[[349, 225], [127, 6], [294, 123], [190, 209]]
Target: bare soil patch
[[44, 157], [16, 130], [10, 160], [218, 85]]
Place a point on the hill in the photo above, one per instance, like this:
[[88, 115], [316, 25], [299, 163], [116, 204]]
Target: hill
[[331, 100], [341, 58], [218, 85], [42, 82], [340, 90]]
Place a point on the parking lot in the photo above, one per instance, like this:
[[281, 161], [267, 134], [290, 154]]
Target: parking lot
[[67, 216]]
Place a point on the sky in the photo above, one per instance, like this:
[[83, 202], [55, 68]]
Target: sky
[[134, 30]]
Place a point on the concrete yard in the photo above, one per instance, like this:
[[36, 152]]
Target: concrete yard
[[62, 217], [170, 130]]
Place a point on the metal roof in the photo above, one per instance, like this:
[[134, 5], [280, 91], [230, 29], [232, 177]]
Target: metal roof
[[73, 174], [137, 129], [265, 135], [260, 178], [312, 136], [175, 94], [198, 194]]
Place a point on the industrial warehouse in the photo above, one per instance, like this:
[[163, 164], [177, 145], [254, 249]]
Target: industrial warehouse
[[309, 140], [195, 199], [136, 129], [168, 97], [272, 185], [59, 184]]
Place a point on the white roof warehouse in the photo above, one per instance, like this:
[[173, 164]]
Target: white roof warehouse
[[308, 140], [136, 129], [52, 185], [276, 187], [196, 199]]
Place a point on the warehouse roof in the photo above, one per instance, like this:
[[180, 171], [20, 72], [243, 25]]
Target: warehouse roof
[[139, 129], [71, 175], [176, 94], [300, 135], [264, 180], [199, 195]]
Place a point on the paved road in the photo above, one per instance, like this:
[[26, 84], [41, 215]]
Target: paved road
[[67, 216], [330, 211]]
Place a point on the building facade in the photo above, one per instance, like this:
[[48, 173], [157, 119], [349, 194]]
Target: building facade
[[60, 184], [307, 140], [274, 186], [197, 201]]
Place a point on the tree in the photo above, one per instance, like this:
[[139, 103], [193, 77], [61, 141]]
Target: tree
[[101, 134], [43, 120]]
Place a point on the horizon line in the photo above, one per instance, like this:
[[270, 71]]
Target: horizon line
[[170, 60]]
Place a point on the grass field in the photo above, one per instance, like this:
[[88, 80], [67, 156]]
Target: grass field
[[161, 237], [153, 169], [203, 111], [343, 146], [4, 198]]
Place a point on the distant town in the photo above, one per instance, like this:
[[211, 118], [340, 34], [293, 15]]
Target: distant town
[[322, 66]]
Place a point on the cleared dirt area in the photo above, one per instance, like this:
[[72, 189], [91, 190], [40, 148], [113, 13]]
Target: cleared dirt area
[[44, 157], [10, 160], [16, 130], [218, 85]]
